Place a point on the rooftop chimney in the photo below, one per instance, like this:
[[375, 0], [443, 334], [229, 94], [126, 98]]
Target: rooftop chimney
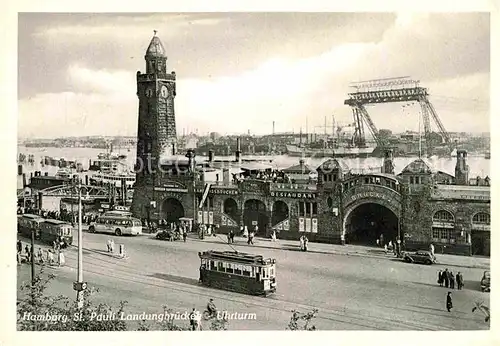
[[461, 168], [388, 166], [238, 150]]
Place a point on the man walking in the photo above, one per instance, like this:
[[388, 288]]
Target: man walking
[[459, 280], [452, 280], [431, 249], [446, 278], [449, 303], [440, 278]]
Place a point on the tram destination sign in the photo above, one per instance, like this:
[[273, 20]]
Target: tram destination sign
[[307, 195]]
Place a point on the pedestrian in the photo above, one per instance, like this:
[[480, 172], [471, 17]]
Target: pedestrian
[[108, 245], [40, 255], [250, 238], [61, 258], [449, 303], [459, 281], [19, 246], [245, 231], [378, 242], [27, 250], [273, 237], [229, 237], [112, 246], [232, 236], [50, 256], [184, 235], [431, 249], [301, 241], [446, 278], [440, 278], [452, 280], [306, 241], [385, 248]]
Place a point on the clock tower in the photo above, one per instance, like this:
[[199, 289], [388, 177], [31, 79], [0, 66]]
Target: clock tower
[[156, 134]]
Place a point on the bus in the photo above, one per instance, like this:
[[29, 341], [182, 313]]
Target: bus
[[116, 224], [56, 230], [238, 272], [26, 223]]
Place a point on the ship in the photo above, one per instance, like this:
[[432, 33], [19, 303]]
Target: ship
[[112, 168], [348, 152]]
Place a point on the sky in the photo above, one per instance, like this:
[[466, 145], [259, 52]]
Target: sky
[[239, 72]]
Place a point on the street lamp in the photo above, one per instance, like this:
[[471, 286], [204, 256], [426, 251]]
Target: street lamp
[[79, 286]]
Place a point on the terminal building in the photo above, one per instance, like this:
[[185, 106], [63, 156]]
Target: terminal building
[[420, 205]]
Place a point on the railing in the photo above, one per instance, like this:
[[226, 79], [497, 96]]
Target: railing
[[288, 186]]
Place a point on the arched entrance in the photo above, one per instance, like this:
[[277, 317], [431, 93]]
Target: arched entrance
[[230, 208], [280, 212], [255, 214], [172, 210], [366, 222]]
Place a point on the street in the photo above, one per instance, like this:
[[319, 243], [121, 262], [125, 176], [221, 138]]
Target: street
[[350, 292]]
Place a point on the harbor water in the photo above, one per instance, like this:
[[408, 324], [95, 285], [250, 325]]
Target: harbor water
[[478, 165]]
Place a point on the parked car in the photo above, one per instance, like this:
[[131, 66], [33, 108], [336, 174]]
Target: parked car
[[485, 281], [424, 257], [168, 235]]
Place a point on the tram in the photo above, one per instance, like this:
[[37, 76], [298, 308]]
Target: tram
[[238, 272], [26, 223], [55, 230]]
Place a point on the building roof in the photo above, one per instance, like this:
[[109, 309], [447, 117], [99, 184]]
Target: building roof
[[301, 168], [255, 166], [156, 48], [333, 164], [419, 166]]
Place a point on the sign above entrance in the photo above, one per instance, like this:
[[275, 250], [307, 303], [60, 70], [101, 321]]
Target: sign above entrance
[[370, 194], [305, 195], [165, 189], [219, 191]]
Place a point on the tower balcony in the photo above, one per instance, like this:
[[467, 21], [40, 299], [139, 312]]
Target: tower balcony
[[149, 77]]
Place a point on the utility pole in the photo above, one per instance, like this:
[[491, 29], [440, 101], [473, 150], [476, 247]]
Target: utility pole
[[32, 252], [79, 286]]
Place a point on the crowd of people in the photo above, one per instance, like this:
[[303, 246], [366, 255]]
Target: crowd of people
[[51, 256], [448, 279], [63, 215]]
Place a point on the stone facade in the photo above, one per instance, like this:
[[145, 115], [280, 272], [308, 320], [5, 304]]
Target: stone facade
[[323, 211], [420, 205]]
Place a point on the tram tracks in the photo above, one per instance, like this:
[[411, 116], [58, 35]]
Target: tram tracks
[[328, 314]]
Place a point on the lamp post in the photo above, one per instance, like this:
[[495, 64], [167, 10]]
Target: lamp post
[[79, 286]]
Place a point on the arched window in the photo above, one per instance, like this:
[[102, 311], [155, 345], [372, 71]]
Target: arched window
[[443, 227], [481, 218], [443, 216]]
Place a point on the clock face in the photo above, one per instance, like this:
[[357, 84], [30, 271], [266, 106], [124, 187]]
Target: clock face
[[164, 91], [149, 92]]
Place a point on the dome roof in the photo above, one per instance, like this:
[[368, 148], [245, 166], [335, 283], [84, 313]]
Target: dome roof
[[419, 166], [333, 164], [156, 48]]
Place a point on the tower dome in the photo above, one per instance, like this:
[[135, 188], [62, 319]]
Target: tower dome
[[156, 48]]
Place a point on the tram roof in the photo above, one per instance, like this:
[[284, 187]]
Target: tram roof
[[31, 216], [56, 222], [235, 256]]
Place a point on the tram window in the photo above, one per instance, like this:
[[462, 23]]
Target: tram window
[[212, 265], [314, 208], [301, 208], [367, 180], [377, 181], [229, 268], [246, 271], [271, 271], [237, 269], [220, 266]]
